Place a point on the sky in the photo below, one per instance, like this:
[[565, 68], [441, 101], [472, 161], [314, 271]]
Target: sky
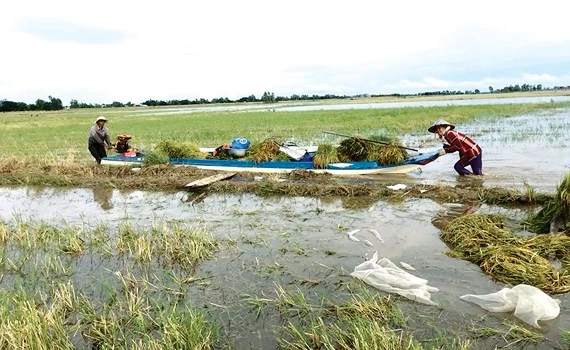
[[132, 51]]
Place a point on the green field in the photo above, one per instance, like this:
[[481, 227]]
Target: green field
[[64, 133]]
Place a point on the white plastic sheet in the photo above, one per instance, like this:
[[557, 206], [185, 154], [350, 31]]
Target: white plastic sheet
[[529, 303], [386, 276]]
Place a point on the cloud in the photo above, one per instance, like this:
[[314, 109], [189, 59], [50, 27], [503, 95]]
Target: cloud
[[540, 78], [57, 30], [431, 84], [105, 51]]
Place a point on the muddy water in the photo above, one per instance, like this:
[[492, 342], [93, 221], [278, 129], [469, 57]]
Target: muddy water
[[532, 149], [305, 237], [303, 241]]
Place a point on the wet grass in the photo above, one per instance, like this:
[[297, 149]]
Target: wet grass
[[77, 287], [511, 334], [137, 288], [364, 320]]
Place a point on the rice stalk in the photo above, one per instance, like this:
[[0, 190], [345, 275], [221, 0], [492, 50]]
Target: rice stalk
[[388, 154], [555, 214], [507, 257], [264, 151], [180, 149], [325, 155]]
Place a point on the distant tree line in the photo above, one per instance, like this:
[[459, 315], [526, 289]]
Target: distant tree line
[[510, 88], [267, 97], [55, 104]]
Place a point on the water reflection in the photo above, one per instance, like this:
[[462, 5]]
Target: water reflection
[[452, 211], [353, 202], [470, 182], [103, 196]]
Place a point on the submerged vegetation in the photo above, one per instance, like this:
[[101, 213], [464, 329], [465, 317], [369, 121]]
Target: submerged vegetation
[[555, 214], [133, 298], [507, 257], [57, 172]]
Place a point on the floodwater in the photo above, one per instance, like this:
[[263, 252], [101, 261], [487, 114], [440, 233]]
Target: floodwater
[[532, 149], [307, 237], [308, 106]]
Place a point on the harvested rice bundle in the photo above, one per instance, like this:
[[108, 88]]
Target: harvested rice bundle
[[353, 149], [555, 214], [388, 154], [556, 245], [180, 149], [515, 265], [155, 157], [507, 257], [325, 155], [263, 151], [476, 231]]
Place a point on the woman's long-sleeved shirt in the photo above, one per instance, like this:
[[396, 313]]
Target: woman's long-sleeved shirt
[[468, 149]]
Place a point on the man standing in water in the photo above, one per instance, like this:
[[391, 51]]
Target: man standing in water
[[470, 153], [98, 139]]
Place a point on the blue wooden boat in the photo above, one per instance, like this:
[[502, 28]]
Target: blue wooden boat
[[241, 165]]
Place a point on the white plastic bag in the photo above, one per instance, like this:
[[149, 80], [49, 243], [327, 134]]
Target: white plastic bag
[[529, 303], [386, 276]]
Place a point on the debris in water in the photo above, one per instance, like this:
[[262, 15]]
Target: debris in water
[[353, 232], [352, 238], [368, 243], [376, 234], [406, 266], [397, 187]]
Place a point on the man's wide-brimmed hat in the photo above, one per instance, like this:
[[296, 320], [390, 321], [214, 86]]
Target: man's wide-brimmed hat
[[438, 123], [101, 119]]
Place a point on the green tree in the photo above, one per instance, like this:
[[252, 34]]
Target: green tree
[[55, 104], [268, 97], [41, 105]]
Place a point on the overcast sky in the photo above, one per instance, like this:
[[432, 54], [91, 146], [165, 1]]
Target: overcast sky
[[131, 51]]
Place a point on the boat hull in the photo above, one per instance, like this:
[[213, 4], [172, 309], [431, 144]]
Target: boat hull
[[280, 167]]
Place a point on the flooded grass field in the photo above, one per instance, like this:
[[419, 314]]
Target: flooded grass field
[[242, 271]]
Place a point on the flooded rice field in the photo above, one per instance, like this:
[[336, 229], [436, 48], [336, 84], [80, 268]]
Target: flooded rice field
[[300, 241], [312, 106]]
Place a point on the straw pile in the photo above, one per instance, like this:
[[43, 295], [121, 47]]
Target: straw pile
[[508, 258], [353, 149], [179, 149], [356, 149], [155, 157], [388, 154], [555, 214], [325, 155], [263, 151]]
